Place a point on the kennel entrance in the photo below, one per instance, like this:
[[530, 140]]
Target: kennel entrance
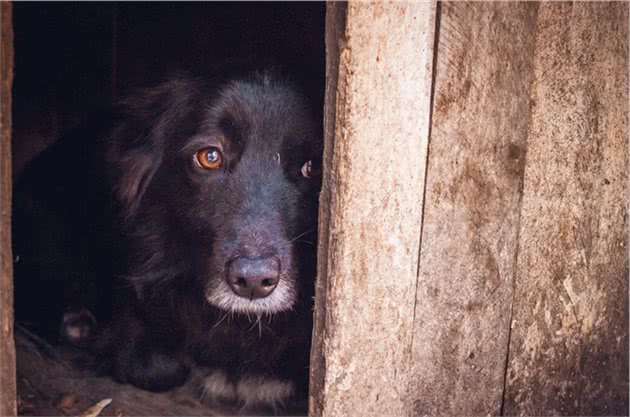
[[70, 60], [500, 204]]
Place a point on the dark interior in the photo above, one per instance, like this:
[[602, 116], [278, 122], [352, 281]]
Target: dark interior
[[72, 59]]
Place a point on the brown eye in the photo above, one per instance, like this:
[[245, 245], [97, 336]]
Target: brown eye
[[307, 169], [209, 158]]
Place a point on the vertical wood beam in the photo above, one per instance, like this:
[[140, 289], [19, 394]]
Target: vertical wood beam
[[7, 346], [335, 28], [569, 350], [379, 69], [471, 214]]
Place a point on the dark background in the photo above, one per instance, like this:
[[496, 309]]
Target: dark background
[[73, 58]]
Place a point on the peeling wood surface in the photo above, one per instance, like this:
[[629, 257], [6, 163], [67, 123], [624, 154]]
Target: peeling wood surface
[[376, 156], [7, 347], [569, 350], [471, 214], [335, 28]]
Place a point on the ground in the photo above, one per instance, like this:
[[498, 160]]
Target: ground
[[51, 383]]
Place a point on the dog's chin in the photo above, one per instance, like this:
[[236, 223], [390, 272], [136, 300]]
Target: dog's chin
[[282, 299]]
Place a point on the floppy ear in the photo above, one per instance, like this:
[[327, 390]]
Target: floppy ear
[[133, 171], [137, 142]]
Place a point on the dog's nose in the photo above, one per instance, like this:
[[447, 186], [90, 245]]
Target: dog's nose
[[253, 277]]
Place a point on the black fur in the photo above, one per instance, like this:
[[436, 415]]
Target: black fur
[[116, 218]]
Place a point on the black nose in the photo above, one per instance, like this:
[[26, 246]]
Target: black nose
[[253, 277]]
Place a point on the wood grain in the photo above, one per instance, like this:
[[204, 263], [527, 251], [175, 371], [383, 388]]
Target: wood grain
[[372, 206], [471, 214], [569, 349], [335, 29], [7, 346]]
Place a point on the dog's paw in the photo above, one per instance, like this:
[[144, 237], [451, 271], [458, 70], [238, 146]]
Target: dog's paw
[[246, 395], [77, 326], [151, 370], [215, 389], [264, 395]]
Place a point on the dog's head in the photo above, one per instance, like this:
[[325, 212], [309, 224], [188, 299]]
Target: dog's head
[[225, 178]]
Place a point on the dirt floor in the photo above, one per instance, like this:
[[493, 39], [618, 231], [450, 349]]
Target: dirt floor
[[50, 383]]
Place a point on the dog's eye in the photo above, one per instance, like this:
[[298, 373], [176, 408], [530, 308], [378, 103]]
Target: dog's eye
[[307, 170], [209, 158]]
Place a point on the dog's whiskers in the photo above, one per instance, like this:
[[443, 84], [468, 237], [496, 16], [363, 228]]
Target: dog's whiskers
[[221, 319], [302, 234], [259, 323]]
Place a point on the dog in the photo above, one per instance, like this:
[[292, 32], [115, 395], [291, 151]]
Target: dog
[[178, 232]]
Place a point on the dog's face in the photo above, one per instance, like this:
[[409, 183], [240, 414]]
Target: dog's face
[[253, 193], [240, 190]]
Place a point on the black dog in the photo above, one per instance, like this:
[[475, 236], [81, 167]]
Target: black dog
[[184, 224]]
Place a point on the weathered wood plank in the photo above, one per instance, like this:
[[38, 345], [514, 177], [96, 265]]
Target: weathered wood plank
[[7, 346], [569, 349], [471, 214], [335, 28], [373, 190]]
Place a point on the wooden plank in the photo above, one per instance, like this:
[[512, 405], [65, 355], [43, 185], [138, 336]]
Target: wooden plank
[[335, 28], [471, 214], [371, 206], [569, 349], [7, 346]]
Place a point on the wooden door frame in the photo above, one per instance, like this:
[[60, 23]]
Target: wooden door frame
[[7, 344]]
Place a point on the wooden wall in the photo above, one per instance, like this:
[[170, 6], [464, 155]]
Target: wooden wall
[[569, 340], [471, 217], [521, 281]]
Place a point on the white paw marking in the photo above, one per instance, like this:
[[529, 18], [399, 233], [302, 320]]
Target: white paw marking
[[216, 386], [264, 390]]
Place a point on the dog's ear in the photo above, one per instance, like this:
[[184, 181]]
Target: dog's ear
[[143, 124], [132, 173]]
